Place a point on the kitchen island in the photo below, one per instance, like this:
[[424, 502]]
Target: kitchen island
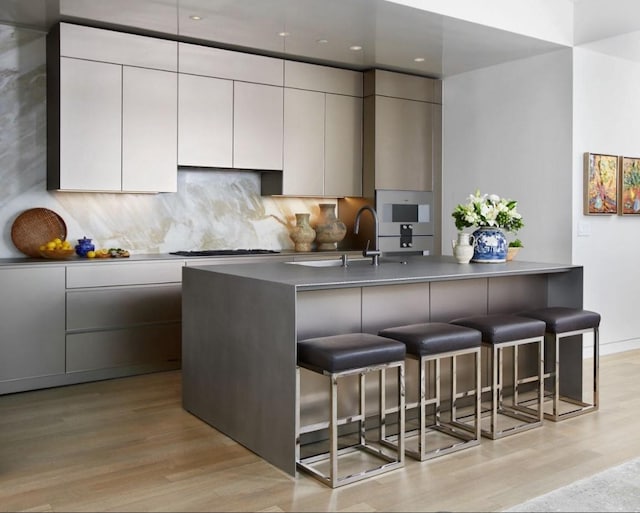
[[240, 324]]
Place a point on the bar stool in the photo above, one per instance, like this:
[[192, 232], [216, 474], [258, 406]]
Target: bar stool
[[431, 344], [500, 332], [337, 357], [565, 322]]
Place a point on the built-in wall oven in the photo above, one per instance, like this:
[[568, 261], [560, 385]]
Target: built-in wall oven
[[405, 221]]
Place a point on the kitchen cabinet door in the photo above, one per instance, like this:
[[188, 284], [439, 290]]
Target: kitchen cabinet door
[[205, 121], [149, 130], [343, 146], [304, 117], [90, 141], [32, 336], [257, 126], [405, 131]]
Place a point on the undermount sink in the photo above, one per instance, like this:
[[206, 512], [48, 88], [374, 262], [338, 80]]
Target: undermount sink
[[327, 263]]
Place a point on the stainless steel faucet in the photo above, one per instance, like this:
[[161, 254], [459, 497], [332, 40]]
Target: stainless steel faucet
[[374, 253]]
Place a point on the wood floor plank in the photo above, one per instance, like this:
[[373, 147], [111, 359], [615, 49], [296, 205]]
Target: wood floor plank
[[127, 445]]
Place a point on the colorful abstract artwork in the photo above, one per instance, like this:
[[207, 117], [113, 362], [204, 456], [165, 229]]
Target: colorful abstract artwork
[[601, 184], [630, 186]]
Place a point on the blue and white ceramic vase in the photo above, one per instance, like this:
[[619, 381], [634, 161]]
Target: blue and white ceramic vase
[[490, 247]]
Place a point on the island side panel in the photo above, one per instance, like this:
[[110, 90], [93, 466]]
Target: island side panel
[[566, 289], [238, 361]]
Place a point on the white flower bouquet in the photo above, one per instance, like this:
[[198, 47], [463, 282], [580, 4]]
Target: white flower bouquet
[[488, 210]]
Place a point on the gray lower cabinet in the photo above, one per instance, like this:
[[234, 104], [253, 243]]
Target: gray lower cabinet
[[123, 315], [123, 326], [65, 324], [32, 331]]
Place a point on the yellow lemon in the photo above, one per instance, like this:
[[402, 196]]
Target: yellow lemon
[[57, 240], [91, 254], [51, 245]]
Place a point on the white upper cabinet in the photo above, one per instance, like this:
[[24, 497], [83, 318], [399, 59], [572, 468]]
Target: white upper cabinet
[[230, 109], [322, 131], [304, 142], [343, 146], [112, 111], [205, 121], [90, 141], [149, 130], [257, 126]]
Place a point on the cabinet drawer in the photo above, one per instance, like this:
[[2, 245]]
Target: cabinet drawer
[[218, 63], [117, 47], [118, 307], [123, 348], [115, 273]]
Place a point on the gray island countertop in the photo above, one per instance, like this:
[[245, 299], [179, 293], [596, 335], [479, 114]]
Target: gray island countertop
[[392, 270]]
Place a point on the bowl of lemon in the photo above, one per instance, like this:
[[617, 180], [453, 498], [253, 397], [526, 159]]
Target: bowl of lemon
[[57, 249]]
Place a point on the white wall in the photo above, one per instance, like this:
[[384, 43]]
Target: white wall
[[507, 131], [521, 130], [607, 120]]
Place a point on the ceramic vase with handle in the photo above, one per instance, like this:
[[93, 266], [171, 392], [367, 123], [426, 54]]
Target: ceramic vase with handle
[[463, 247]]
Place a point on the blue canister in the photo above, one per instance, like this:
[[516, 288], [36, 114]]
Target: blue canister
[[84, 246]]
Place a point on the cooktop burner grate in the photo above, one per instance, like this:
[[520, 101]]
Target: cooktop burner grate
[[222, 252]]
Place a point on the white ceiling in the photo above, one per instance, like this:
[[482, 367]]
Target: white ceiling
[[391, 35]]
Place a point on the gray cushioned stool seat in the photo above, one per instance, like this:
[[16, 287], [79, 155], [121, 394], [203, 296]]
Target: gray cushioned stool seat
[[440, 430], [499, 328], [565, 323], [433, 338], [338, 353], [347, 356], [501, 332], [562, 319]]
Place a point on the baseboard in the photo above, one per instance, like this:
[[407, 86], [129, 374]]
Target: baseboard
[[613, 347]]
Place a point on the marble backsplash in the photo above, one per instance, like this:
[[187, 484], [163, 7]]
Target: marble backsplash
[[212, 209]]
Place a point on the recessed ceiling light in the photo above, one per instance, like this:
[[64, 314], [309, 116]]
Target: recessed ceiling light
[[283, 34], [195, 17], [322, 41], [419, 59], [355, 48]]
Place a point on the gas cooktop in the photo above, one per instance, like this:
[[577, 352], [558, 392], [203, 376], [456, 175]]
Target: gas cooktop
[[222, 252]]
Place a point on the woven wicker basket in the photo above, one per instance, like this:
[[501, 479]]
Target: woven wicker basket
[[35, 227]]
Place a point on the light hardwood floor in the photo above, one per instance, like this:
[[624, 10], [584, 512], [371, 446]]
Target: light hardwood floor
[[127, 445]]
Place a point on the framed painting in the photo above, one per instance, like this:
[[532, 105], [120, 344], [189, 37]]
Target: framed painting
[[629, 186], [600, 184]]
